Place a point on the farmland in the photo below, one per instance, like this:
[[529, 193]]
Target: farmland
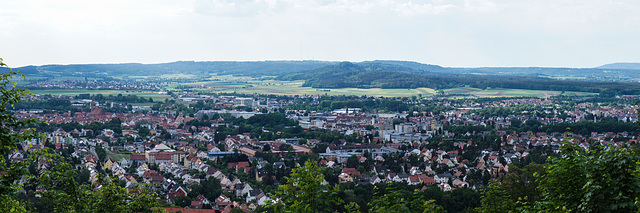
[[266, 85], [501, 92]]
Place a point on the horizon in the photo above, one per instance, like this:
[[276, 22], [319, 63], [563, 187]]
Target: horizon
[[117, 63]]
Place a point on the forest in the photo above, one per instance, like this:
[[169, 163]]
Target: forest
[[374, 75]]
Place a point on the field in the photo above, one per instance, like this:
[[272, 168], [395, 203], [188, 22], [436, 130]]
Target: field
[[500, 92], [228, 84], [118, 157], [266, 85], [73, 92]]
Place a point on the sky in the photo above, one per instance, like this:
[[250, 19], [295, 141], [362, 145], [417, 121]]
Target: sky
[[451, 33]]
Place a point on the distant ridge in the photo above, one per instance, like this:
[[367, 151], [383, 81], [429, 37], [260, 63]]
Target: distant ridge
[[379, 73], [626, 66], [365, 75]]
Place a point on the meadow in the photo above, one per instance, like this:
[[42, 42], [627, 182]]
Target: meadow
[[73, 92], [267, 85], [501, 92]]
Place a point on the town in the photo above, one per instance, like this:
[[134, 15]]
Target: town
[[232, 151]]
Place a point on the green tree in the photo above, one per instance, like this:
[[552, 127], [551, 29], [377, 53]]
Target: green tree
[[102, 154], [304, 192], [8, 140], [393, 200], [516, 188], [599, 179], [210, 188], [182, 201], [61, 191]]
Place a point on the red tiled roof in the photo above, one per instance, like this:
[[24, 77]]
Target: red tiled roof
[[137, 157], [190, 210]]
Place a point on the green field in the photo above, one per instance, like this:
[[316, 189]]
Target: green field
[[461, 90], [500, 92], [73, 92], [248, 85], [118, 157]]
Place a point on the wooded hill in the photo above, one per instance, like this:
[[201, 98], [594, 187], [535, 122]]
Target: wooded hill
[[611, 72], [382, 75], [250, 68], [609, 79]]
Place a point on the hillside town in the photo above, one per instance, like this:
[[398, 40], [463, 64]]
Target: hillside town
[[177, 152]]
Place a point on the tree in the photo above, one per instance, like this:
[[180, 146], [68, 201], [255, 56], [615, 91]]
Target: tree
[[8, 140], [210, 188], [182, 201], [304, 192], [102, 154], [61, 191], [83, 177], [599, 179], [393, 200]]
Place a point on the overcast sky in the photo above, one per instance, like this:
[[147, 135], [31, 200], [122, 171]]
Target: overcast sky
[[453, 33]]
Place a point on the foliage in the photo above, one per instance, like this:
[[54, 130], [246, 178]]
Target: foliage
[[402, 201], [381, 75], [60, 190], [457, 200], [182, 201], [371, 75], [8, 140], [117, 98], [209, 188], [599, 179], [304, 192], [57, 104], [517, 187]]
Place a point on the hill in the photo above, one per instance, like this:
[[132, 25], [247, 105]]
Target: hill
[[365, 75], [382, 75], [369, 74], [252, 68], [627, 66]]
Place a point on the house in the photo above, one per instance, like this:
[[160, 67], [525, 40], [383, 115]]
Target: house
[[202, 199], [444, 187], [345, 178], [137, 159], [124, 163], [196, 204], [398, 178], [183, 210], [414, 180], [258, 196], [240, 166], [175, 191], [222, 198], [242, 190], [108, 163], [16, 157], [90, 161], [442, 178], [424, 179], [153, 177], [375, 180], [351, 171]]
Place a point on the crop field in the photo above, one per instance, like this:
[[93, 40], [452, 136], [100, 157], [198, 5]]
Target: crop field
[[73, 92], [228, 84], [461, 90], [500, 92], [266, 85]]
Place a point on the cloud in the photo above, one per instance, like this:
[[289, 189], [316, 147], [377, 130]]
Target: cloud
[[446, 32], [237, 8]]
